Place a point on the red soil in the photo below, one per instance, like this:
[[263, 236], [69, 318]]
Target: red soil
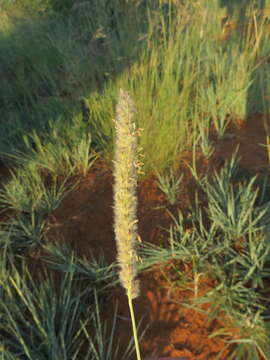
[[85, 222]]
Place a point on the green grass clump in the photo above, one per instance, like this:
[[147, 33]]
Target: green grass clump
[[26, 191], [233, 250], [170, 184], [41, 320], [26, 202], [37, 320]]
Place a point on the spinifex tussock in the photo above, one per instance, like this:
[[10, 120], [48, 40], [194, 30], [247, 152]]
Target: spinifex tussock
[[126, 167]]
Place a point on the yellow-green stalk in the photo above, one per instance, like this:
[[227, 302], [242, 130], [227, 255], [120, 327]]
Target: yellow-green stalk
[[126, 167]]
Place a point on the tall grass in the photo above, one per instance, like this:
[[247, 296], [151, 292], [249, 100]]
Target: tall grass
[[179, 78], [175, 67], [161, 84], [125, 201]]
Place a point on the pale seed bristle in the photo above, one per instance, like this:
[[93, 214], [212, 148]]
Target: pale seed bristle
[[125, 197]]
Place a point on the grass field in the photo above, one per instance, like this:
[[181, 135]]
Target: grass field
[[197, 76]]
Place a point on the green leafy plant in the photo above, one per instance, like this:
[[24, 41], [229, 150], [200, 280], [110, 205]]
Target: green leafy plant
[[228, 83], [232, 207], [203, 139], [96, 272], [26, 192], [169, 184], [26, 231], [37, 321], [65, 151], [251, 265]]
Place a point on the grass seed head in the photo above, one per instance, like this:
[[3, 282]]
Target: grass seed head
[[125, 199]]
